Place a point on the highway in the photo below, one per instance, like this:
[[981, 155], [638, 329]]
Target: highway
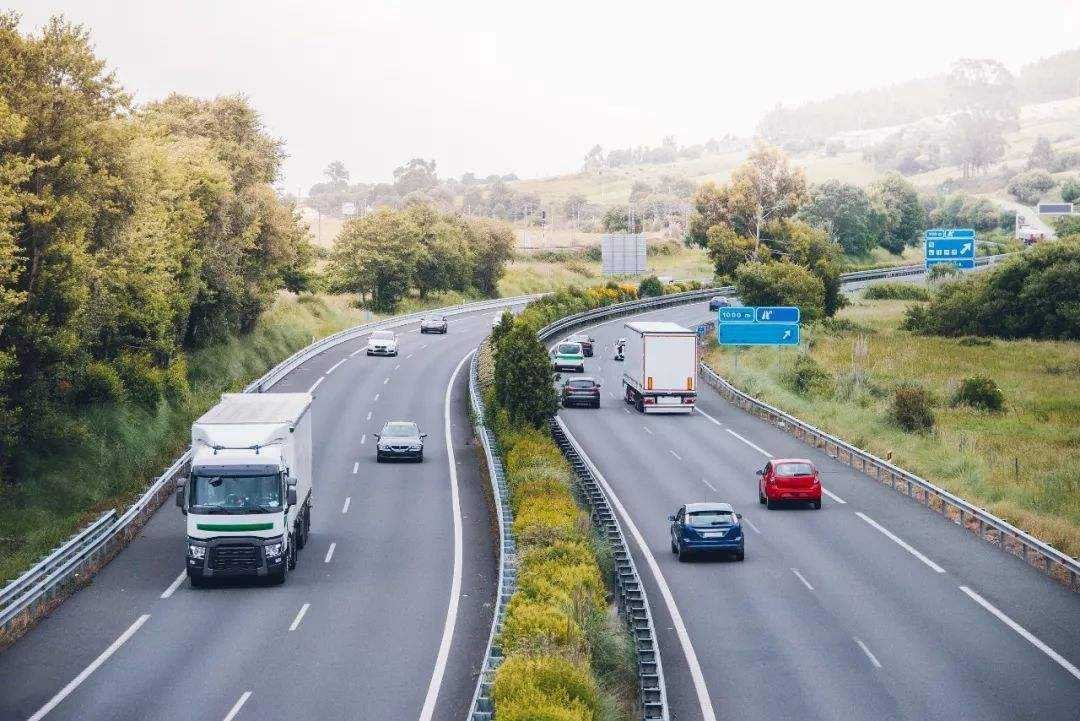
[[871, 608], [366, 627]]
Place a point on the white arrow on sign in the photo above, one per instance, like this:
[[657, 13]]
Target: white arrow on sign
[[787, 334], [965, 248]]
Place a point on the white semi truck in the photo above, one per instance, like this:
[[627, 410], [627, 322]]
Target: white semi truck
[[248, 496], [661, 365]]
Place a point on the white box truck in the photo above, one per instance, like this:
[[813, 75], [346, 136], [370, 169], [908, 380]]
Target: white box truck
[[248, 496], [661, 365]]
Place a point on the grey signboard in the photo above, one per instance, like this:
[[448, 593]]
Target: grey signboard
[[623, 253]]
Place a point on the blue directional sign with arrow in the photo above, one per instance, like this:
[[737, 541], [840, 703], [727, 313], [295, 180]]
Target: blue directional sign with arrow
[[950, 245], [766, 325]]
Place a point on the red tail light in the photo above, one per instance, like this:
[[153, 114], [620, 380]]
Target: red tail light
[[650, 401], [688, 400]]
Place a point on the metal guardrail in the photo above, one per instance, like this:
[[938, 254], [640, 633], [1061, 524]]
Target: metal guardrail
[[45, 585], [979, 521], [482, 708]]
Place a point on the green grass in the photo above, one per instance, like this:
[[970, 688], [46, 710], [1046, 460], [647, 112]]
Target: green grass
[[878, 257], [113, 451], [1020, 464]]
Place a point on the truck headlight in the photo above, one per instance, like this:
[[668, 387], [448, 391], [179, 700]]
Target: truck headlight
[[273, 550], [196, 552]]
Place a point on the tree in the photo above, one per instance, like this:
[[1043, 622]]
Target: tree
[[810, 248], [416, 175], [492, 248], [1070, 190], [523, 377], [1042, 154], [767, 187], [898, 217], [575, 205], [617, 220], [650, 287], [1028, 187], [983, 91], [376, 255], [843, 211], [781, 284], [728, 250], [336, 173]]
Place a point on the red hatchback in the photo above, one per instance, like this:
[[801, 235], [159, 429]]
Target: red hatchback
[[789, 479]]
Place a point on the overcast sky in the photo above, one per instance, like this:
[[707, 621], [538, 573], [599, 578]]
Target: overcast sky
[[498, 87]]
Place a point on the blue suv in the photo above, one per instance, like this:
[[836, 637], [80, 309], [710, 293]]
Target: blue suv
[[707, 527]]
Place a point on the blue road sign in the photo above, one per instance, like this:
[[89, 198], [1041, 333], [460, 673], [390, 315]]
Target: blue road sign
[[949, 234], [702, 329], [777, 314], [736, 314], [957, 250], [758, 333]]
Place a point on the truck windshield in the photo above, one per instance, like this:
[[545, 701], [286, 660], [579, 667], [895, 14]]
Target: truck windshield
[[235, 494]]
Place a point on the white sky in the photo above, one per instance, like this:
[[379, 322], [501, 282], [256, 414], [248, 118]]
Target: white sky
[[497, 87]]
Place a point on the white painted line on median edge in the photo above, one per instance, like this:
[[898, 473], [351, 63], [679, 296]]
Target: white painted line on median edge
[[1027, 635], [330, 553], [85, 673], [428, 710], [174, 585], [900, 542], [674, 454], [356, 466], [750, 523], [759, 449], [869, 655], [316, 384], [646, 428], [345, 508], [698, 678], [299, 616], [708, 416], [368, 416], [802, 578], [237, 706], [336, 366], [832, 495]]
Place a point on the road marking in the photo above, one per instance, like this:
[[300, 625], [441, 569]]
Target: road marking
[[237, 706], [85, 673], [647, 430], [368, 416], [700, 687], [869, 655], [299, 616], [377, 396], [759, 449], [709, 485], [363, 439], [345, 508], [316, 384], [626, 409], [336, 366], [900, 542], [428, 710], [174, 585], [423, 346], [802, 578], [358, 350], [750, 523], [397, 366], [611, 394], [385, 381], [356, 466], [330, 553], [408, 356], [832, 495], [674, 454], [708, 416], [1027, 635]]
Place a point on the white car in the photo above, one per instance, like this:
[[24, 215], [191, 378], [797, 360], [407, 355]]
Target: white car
[[382, 342]]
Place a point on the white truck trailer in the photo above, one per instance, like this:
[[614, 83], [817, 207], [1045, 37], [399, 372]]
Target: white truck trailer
[[248, 496], [661, 365]]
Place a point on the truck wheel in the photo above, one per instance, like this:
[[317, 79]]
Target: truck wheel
[[292, 553], [305, 524], [640, 405], [197, 581]]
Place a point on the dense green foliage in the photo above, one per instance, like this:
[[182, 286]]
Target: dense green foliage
[[1070, 190], [650, 287], [781, 284], [899, 216], [896, 291], [980, 392], [912, 408], [1029, 186], [843, 210], [127, 234], [523, 377], [1035, 295]]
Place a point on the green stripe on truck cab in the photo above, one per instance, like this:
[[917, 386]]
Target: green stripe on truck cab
[[234, 526]]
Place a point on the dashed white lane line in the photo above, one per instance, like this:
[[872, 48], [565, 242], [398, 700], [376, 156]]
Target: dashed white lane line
[[345, 508], [708, 416], [316, 384], [674, 454], [1027, 635], [802, 578], [832, 495], [869, 655], [358, 350], [368, 416], [397, 366], [363, 439], [611, 394], [174, 585], [385, 381], [237, 706], [626, 409], [335, 366], [356, 466], [646, 429], [85, 673], [750, 523], [330, 553], [709, 485], [299, 617], [408, 356], [377, 396], [757, 448], [423, 346], [900, 542]]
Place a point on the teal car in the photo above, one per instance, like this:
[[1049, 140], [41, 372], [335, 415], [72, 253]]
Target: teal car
[[568, 356]]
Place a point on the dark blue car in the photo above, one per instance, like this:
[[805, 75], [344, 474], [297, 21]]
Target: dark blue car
[[699, 527]]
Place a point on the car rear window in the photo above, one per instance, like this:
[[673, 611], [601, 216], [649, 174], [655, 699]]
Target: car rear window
[[582, 384], [704, 519], [794, 469], [569, 348]]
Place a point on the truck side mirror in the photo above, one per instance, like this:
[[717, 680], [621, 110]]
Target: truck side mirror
[[290, 497]]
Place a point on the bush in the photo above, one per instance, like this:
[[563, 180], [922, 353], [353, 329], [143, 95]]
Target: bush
[[99, 383], [896, 291], [941, 271], [1028, 187], [980, 392], [144, 381], [781, 284], [807, 376], [544, 688], [650, 287], [533, 626], [911, 408], [1070, 190]]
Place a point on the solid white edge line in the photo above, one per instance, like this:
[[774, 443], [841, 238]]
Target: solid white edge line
[[1027, 635], [439, 671], [74, 683], [345, 508], [900, 542], [330, 553], [237, 706], [299, 616], [174, 585], [759, 449], [692, 664], [869, 655], [316, 384], [832, 495], [708, 416], [802, 578], [335, 366], [356, 466]]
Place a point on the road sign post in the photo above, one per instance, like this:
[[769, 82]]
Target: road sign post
[[955, 246]]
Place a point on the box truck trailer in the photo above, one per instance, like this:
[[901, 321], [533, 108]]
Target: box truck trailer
[[247, 497], [661, 365]]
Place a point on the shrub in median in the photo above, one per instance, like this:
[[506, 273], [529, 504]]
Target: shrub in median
[[980, 392], [544, 688], [911, 408]]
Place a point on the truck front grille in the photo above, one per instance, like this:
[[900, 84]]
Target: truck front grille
[[235, 557]]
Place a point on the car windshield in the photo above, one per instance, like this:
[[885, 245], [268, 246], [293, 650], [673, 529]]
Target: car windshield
[[569, 348], [794, 469], [704, 519], [382, 335], [581, 383], [400, 430], [433, 319], [235, 494]]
